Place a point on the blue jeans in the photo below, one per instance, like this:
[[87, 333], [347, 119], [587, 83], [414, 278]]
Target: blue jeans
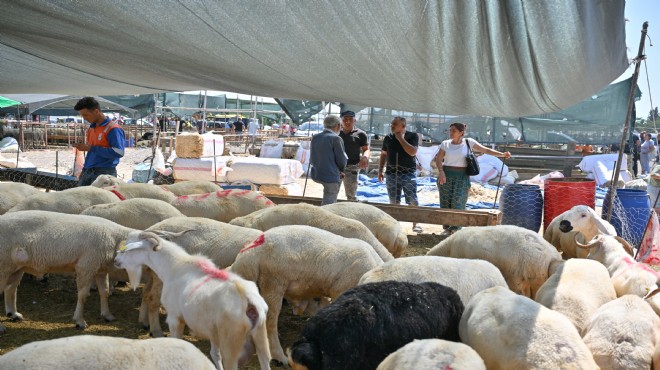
[[398, 182], [90, 174], [330, 192]]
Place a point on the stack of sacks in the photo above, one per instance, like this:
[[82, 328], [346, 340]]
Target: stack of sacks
[[425, 156], [275, 176], [600, 167], [489, 168], [194, 157], [303, 154], [272, 149], [508, 179]]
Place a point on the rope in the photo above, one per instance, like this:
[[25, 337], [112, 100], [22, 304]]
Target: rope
[[648, 84]]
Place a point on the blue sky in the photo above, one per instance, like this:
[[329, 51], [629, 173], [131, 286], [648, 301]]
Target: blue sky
[[637, 12]]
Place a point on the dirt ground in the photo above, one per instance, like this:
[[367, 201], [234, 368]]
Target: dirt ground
[[48, 310]]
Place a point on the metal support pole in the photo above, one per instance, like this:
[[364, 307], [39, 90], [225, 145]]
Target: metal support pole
[[631, 101]]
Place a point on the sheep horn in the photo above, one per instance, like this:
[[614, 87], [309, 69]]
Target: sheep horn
[[168, 235], [589, 245], [652, 293], [625, 244]]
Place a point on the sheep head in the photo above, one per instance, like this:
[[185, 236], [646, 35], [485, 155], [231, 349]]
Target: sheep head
[[131, 255], [585, 220], [604, 244]]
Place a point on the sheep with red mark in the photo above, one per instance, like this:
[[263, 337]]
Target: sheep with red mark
[[216, 240], [450, 272], [300, 262], [136, 213], [103, 181], [623, 334], [307, 214], [222, 205], [72, 201], [178, 188], [577, 289], [578, 222], [628, 276], [384, 227], [95, 352], [367, 323], [510, 331], [215, 304], [39, 242], [138, 190], [433, 354], [11, 193], [522, 256]]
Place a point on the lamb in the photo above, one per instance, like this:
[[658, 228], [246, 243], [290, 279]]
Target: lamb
[[384, 227], [137, 213], [307, 214], [103, 181], [510, 331], [72, 201], [300, 262], [11, 193], [432, 354], [581, 220], [623, 334], [215, 304], [627, 275], [577, 289], [138, 190], [522, 256], [467, 277], [91, 352], [222, 205], [367, 323], [34, 242], [218, 241]]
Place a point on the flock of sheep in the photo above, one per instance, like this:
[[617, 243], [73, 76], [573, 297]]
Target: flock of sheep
[[221, 262]]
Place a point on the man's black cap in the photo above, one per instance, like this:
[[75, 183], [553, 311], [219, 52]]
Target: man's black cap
[[349, 113]]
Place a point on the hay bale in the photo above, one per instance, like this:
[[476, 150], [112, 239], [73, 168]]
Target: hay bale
[[286, 189], [189, 146]]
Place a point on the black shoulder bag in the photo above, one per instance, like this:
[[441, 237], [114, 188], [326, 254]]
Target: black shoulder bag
[[472, 168]]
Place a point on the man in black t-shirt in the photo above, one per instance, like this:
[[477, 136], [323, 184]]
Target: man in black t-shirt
[[356, 146], [399, 151], [238, 126]]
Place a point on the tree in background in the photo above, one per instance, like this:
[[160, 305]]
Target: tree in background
[[653, 115]]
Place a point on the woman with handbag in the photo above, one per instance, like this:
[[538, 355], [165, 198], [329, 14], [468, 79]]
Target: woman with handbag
[[455, 168]]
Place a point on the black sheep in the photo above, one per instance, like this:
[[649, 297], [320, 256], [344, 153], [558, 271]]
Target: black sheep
[[368, 322]]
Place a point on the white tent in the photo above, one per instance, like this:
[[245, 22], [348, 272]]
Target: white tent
[[487, 57]]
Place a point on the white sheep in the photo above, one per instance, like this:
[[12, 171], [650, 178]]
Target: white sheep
[[138, 190], [300, 262], [11, 193], [40, 242], [103, 181], [577, 289], [192, 187], [92, 352], [136, 213], [222, 205], [581, 220], [433, 354], [215, 304], [467, 277], [510, 331], [522, 256], [623, 334], [627, 275], [384, 227], [73, 201], [216, 240], [307, 214]]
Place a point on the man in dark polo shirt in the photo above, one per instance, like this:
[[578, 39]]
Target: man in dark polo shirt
[[356, 145]]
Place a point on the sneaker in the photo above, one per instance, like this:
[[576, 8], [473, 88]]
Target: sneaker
[[417, 229]]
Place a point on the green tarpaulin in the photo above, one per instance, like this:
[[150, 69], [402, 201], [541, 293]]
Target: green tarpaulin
[[6, 102]]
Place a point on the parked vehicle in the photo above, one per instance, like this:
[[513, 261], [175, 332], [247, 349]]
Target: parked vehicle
[[309, 129]]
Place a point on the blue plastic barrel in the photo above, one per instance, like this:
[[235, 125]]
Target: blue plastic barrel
[[631, 218], [522, 205]]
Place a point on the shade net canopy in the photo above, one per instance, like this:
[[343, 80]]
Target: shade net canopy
[[497, 58], [57, 105], [598, 119]]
